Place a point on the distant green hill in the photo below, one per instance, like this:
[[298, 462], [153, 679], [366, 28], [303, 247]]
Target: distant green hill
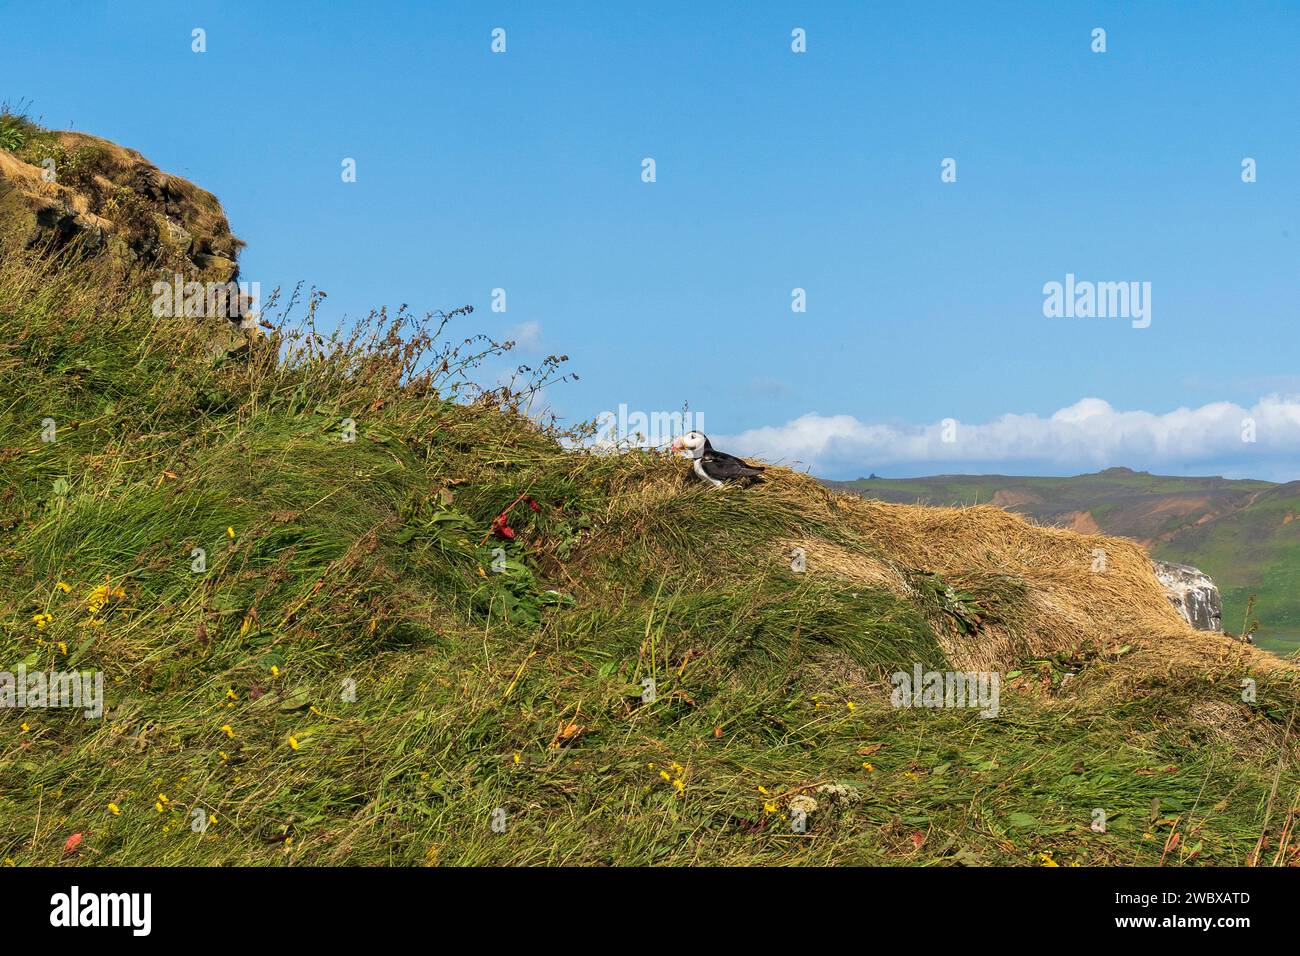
[[1252, 550], [1243, 533]]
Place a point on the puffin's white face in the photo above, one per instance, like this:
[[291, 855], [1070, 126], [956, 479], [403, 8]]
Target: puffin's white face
[[692, 442]]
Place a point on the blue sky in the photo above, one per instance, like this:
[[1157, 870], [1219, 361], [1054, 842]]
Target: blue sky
[[775, 170]]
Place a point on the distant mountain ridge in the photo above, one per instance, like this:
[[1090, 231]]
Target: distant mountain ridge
[[1244, 533]]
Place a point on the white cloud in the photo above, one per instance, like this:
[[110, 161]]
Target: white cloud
[[1087, 435], [527, 336]]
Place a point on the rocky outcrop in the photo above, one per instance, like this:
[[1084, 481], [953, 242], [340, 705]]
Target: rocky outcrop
[[61, 188], [1193, 593], [83, 196]]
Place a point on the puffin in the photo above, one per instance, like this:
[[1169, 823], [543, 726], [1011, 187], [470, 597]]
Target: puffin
[[715, 467]]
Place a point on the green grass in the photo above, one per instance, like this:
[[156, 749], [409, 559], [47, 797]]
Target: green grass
[[350, 681]]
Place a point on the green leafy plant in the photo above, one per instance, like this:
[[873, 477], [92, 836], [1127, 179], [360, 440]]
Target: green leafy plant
[[511, 589], [11, 138], [963, 608]]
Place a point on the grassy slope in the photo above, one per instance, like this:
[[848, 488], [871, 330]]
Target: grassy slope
[[362, 565]]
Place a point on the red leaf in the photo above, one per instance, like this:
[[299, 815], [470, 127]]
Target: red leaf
[[72, 843]]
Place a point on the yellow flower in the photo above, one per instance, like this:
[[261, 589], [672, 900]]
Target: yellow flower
[[230, 533], [41, 620], [63, 648], [868, 768], [516, 758], [763, 791], [679, 786], [23, 727], [223, 755], [158, 806], [769, 807], [101, 596], [64, 586], [275, 671], [1047, 860], [162, 797], [852, 706], [481, 572], [664, 774], [228, 731], [114, 809], [293, 742], [212, 818]]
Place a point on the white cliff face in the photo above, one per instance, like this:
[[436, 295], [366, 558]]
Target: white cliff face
[[1193, 593]]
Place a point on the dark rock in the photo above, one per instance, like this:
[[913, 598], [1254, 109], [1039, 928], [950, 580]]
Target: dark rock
[[114, 203]]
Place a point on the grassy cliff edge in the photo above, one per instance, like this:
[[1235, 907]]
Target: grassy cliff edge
[[356, 675]]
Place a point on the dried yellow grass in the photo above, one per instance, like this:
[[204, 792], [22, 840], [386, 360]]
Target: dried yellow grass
[[828, 558], [1082, 590]]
